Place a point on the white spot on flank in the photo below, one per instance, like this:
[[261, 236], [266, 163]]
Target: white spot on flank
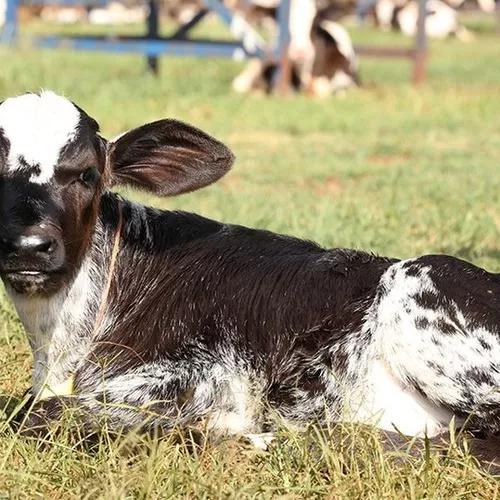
[[438, 361], [391, 406], [37, 128]]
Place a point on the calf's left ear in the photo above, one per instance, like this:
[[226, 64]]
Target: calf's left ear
[[168, 157]]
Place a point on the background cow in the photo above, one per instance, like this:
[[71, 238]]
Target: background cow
[[441, 20], [321, 52]]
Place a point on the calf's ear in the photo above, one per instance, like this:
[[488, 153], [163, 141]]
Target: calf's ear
[[168, 157]]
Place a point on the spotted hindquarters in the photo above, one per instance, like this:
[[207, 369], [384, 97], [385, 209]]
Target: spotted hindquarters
[[436, 331]]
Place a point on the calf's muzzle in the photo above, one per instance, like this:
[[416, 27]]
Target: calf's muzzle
[[31, 258]]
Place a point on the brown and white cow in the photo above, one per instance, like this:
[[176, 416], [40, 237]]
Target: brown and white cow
[[441, 19], [153, 318], [321, 52]]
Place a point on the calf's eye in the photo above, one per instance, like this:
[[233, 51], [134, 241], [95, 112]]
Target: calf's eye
[[90, 176]]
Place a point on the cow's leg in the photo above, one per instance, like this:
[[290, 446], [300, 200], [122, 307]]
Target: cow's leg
[[155, 398], [435, 349], [141, 399], [92, 414]]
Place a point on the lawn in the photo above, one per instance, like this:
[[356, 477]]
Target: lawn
[[389, 168]]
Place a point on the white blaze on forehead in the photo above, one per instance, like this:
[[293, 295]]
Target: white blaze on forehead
[[37, 128]]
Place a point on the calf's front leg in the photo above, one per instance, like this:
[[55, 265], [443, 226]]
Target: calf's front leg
[[121, 404]]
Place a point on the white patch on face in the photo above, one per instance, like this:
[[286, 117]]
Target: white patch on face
[[37, 128]]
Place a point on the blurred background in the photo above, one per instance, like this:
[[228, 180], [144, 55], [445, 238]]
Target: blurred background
[[334, 139]]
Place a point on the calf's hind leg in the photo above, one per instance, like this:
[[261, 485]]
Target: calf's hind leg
[[436, 339]]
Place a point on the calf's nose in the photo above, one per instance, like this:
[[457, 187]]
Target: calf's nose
[[32, 245]]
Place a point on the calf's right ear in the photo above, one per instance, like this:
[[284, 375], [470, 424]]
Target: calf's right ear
[[168, 157]]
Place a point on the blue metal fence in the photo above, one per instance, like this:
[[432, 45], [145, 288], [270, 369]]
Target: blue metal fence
[[247, 41]]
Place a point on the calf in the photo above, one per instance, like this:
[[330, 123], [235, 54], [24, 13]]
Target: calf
[[155, 318]]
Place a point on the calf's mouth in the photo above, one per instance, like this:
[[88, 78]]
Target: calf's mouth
[[32, 281]]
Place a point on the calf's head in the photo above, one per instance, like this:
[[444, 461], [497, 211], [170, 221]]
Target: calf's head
[[54, 168]]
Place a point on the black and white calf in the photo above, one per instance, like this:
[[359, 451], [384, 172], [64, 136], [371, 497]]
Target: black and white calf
[[157, 318]]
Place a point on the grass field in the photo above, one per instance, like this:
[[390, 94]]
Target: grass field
[[389, 168]]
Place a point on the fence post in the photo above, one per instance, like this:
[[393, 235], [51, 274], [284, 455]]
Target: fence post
[[153, 30], [420, 57], [9, 32], [284, 77]]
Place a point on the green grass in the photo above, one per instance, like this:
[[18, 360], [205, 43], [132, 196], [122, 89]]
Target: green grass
[[389, 168]]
